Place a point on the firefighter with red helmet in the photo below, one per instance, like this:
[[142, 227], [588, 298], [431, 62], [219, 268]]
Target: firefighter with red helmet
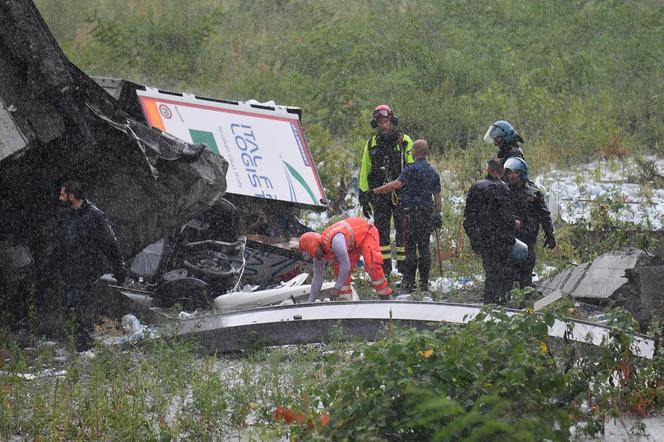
[[343, 243], [384, 157]]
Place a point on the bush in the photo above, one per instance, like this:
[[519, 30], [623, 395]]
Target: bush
[[493, 379]]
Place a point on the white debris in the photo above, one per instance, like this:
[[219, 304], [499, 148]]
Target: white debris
[[446, 285], [249, 288], [571, 193], [88, 354], [186, 315], [132, 327], [47, 373]]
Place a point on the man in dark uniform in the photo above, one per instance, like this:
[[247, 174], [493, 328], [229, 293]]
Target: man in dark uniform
[[420, 182], [531, 212], [490, 224], [505, 138], [83, 237], [384, 157]]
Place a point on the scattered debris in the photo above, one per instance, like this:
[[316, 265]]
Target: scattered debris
[[548, 300], [634, 185], [132, 327]]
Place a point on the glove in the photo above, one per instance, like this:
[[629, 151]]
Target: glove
[[550, 241], [365, 202], [436, 221]]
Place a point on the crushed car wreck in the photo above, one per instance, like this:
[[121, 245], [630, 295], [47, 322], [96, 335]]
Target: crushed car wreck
[[251, 234]]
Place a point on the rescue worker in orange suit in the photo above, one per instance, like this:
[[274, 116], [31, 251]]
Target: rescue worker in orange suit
[[420, 182], [343, 243], [384, 157]]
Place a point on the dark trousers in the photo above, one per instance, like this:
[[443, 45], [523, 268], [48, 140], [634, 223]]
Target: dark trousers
[[384, 212], [76, 302], [498, 274], [523, 271], [416, 234]]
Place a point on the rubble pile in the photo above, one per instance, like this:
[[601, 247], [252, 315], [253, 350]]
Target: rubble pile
[[57, 124], [629, 277]]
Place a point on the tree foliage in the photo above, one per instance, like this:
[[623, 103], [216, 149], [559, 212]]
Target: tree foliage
[[571, 76]]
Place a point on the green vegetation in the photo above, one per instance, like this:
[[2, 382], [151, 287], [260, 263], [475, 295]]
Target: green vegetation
[[578, 79], [496, 378]]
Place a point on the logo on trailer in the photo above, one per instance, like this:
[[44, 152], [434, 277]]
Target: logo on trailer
[[165, 111]]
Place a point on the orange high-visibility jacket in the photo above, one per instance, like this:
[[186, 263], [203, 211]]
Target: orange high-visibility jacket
[[354, 230]]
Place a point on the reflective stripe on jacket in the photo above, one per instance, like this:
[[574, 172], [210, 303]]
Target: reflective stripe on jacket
[[406, 156], [354, 230]]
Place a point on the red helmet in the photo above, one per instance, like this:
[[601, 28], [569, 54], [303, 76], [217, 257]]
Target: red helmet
[[383, 110], [309, 243]]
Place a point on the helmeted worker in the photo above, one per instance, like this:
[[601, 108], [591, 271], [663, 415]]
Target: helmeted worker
[[343, 243], [384, 157], [531, 212], [505, 138], [421, 207], [490, 223]]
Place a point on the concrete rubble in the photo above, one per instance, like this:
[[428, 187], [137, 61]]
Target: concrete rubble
[[57, 124], [631, 278], [163, 196]]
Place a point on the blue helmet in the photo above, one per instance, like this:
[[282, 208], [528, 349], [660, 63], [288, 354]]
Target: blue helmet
[[517, 165], [504, 130]]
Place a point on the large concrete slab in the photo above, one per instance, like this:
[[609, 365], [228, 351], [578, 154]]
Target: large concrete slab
[[599, 279], [632, 278], [318, 322]]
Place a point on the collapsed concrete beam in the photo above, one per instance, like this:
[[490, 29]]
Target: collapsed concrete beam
[[621, 276], [308, 323]]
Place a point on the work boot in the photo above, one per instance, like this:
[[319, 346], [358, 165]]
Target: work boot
[[387, 296]]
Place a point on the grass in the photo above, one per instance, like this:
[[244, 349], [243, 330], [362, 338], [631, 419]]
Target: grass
[[166, 391], [162, 392]]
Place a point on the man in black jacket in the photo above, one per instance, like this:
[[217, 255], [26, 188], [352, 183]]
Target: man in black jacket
[[83, 237], [531, 212], [489, 222]]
